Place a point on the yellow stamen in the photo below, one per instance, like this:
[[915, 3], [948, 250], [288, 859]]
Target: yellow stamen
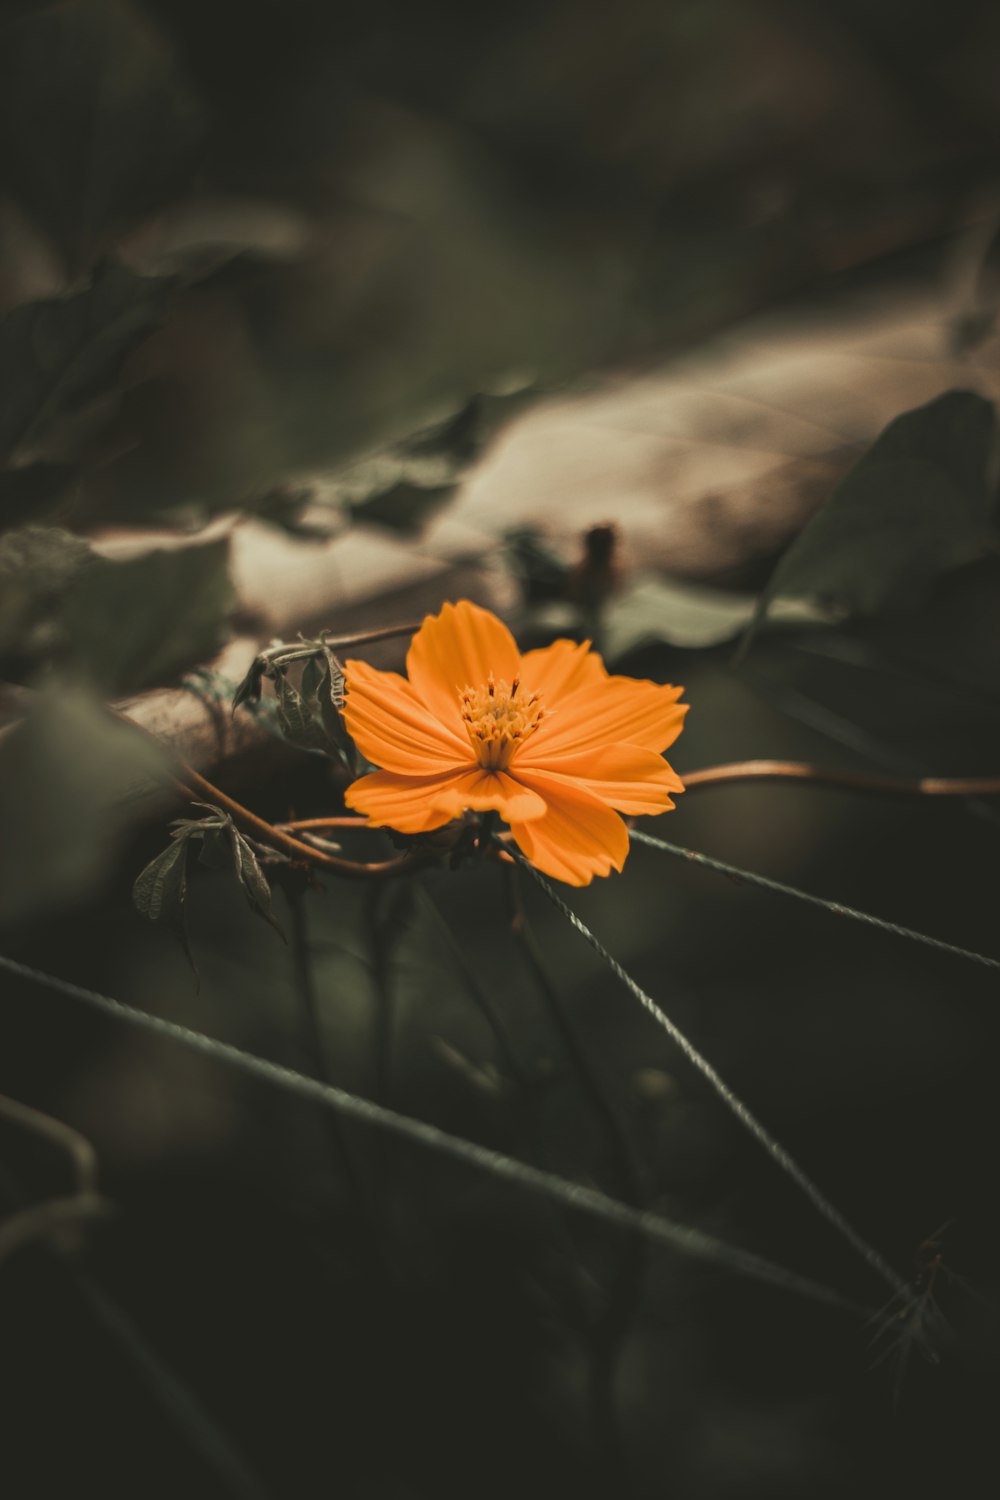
[[497, 721]]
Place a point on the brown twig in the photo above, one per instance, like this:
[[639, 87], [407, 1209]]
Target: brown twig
[[277, 839], [368, 637], [194, 787], [318, 825], [855, 781], [285, 652]]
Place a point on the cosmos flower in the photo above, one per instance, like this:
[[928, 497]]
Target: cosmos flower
[[546, 739]]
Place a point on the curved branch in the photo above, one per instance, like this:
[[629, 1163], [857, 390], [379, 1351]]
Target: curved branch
[[854, 781]]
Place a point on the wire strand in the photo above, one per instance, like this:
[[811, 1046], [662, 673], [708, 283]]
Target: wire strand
[[733, 1102], [836, 907], [683, 1238]]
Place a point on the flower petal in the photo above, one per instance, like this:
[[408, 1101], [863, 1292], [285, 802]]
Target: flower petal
[[418, 804], [405, 803], [458, 648], [616, 711], [626, 777], [490, 791], [579, 836], [392, 727], [560, 669]]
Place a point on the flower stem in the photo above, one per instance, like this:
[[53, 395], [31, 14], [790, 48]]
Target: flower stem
[[611, 1335]]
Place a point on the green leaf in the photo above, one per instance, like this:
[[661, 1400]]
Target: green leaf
[[917, 505], [121, 624], [99, 125], [216, 849], [253, 880], [135, 622], [311, 681], [403, 487], [405, 507], [38, 565], [688, 615], [160, 889], [58, 354], [295, 721], [158, 884], [68, 775]]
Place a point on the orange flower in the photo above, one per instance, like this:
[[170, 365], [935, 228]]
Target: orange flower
[[548, 740]]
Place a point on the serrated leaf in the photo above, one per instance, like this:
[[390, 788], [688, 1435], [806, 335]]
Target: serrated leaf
[[156, 887], [294, 718], [331, 701], [253, 880], [334, 680], [57, 354], [917, 505], [160, 890]]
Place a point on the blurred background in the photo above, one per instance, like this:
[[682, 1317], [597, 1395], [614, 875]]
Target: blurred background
[[320, 314]]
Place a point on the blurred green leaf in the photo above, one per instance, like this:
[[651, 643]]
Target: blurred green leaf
[[68, 772], [686, 614], [955, 637], [918, 504], [99, 125], [38, 564], [58, 354], [403, 507], [404, 486], [123, 624], [133, 622]]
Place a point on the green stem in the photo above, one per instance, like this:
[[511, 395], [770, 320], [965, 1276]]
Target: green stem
[[625, 1292]]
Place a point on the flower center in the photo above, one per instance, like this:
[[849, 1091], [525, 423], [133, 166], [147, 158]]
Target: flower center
[[498, 718]]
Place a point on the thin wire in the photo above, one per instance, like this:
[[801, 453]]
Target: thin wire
[[572, 1195], [747, 1119], [836, 907]]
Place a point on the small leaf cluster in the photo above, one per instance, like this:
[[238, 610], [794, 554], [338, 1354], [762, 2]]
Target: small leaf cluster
[[160, 890], [308, 715]]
